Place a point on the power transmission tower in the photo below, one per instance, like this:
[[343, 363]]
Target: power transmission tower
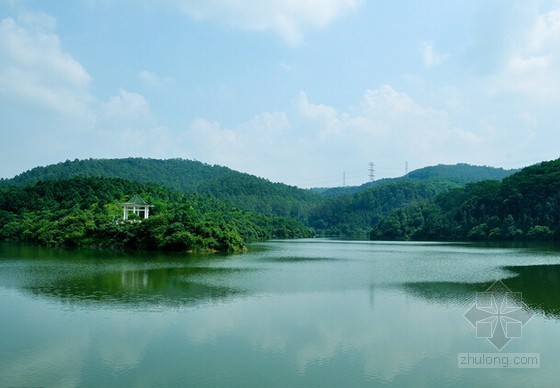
[[406, 167], [371, 171], [343, 178]]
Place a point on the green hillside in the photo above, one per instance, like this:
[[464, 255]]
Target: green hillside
[[459, 174], [344, 212], [524, 206], [245, 191], [85, 212], [354, 215]]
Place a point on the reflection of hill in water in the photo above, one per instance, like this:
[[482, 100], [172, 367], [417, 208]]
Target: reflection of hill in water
[[539, 285], [167, 287], [144, 288], [116, 279]]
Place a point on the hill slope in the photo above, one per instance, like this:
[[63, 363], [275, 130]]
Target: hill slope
[[354, 215], [243, 190], [344, 212], [459, 174], [524, 206], [85, 212]]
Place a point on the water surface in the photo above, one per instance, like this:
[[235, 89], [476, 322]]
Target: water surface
[[287, 313]]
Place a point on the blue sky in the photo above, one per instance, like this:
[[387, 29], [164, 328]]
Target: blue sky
[[294, 91]]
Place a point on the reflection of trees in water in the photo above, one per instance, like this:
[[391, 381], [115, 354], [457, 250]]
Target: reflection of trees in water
[[161, 287], [539, 285], [119, 278], [446, 293]]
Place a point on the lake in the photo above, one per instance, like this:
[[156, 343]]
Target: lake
[[300, 313]]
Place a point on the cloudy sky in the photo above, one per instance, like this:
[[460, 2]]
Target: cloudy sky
[[299, 92]]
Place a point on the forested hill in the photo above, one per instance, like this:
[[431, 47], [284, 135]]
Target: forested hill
[[85, 212], [459, 174], [354, 215], [344, 212], [245, 191], [524, 206]]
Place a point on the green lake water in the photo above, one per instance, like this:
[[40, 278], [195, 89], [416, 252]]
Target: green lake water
[[304, 313]]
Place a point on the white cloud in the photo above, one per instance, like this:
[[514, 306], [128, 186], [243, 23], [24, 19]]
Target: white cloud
[[430, 56], [45, 99], [532, 67], [205, 137], [152, 79], [258, 146], [268, 126], [288, 18], [127, 105], [390, 126], [327, 116], [530, 120], [546, 31], [385, 126], [35, 69], [126, 127], [315, 111], [47, 104]]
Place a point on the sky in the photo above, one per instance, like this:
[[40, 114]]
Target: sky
[[307, 93]]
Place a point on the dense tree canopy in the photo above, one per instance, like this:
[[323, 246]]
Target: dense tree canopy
[[355, 215], [86, 212], [344, 212], [459, 174], [524, 206], [245, 191]]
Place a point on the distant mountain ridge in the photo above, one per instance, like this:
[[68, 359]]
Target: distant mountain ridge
[[136, 169], [354, 211], [460, 174], [245, 191]]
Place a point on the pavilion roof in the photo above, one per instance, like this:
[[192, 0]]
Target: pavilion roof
[[136, 200]]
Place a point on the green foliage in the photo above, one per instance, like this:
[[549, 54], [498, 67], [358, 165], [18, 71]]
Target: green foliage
[[458, 174], [244, 191], [85, 212], [345, 212], [524, 206], [355, 215]]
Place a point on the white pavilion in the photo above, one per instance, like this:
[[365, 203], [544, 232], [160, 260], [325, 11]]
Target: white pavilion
[[136, 205]]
